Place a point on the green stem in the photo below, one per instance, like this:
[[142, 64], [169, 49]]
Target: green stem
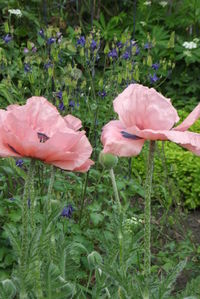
[[147, 212], [32, 197], [24, 244], [51, 182], [116, 194], [83, 197]]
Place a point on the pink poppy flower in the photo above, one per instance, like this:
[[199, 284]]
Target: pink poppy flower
[[37, 130], [145, 114]]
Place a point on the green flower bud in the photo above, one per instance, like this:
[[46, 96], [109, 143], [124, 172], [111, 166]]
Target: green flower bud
[[108, 160]]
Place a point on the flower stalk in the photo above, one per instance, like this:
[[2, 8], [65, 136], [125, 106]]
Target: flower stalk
[[116, 194], [50, 187], [147, 211], [24, 244]]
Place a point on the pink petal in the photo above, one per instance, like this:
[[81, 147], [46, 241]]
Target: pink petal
[[67, 166], [188, 140], [118, 145], [85, 167], [72, 154], [145, 108], [12, 107], [190, 119], [73, 122], [42, 116]]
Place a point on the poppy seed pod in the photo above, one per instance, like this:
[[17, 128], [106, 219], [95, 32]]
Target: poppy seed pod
[[108, 160]]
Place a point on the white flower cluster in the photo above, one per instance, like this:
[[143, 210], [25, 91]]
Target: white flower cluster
[[163, 3], [147, 3], [190, 45], [16, 12]]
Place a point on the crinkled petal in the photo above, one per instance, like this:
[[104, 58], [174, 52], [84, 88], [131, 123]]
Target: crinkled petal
[[188, 140], [68, 165], [118, 145], [73, 122], [145, 108], [190, 120]]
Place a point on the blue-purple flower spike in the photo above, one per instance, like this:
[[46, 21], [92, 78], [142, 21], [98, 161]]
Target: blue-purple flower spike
[[67, 211], [19, 163], [113, 54], [153, 78], [7, 38], [81, 41], [155, 66], [93, 45]]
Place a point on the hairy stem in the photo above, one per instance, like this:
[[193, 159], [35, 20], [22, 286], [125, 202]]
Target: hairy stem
[[50, 188], [116, 194], [147, 212], [24, 244], [32, 197]]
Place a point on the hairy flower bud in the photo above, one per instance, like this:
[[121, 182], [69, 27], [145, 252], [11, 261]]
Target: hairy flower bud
[[108, 160]]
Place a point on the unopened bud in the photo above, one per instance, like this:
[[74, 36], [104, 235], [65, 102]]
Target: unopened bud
[[108, 160]]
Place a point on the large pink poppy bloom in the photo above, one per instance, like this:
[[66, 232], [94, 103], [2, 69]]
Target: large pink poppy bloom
[[37, 130], [145, 114]]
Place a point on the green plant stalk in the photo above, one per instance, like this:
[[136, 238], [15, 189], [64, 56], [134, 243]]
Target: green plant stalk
[[50, 187], [24, 244], [32, 197], [147, 211], [116, 194], [83, 197]]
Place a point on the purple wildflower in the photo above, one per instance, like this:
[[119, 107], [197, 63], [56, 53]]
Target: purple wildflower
[[26, 50], [7, 38], [153, 78], [41, 33], [67, 211], [71, 104], [81, 41], [113, 53], [34, 49], [51, 40], [48, 65], [102, 94], [119, 45], [147, 46], [137, 50], [93, 45], [19, 163], [155, 66], [59, 95], [126, 55], [61, 106], [27, 68]]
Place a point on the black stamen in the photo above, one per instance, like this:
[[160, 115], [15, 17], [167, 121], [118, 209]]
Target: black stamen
[[130, 136], [13, 149], [42, 137]]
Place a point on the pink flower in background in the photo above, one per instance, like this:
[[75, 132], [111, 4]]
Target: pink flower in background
[[37, 130], [145, 114]]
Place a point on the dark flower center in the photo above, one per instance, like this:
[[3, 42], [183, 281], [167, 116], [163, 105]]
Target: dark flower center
[[42, 137], [130, 136], [13, 149]]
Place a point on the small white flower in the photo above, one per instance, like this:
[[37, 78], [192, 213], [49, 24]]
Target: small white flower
[[147, 3], [190, 45], [143, 23], [163, 3], [16, 12]]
